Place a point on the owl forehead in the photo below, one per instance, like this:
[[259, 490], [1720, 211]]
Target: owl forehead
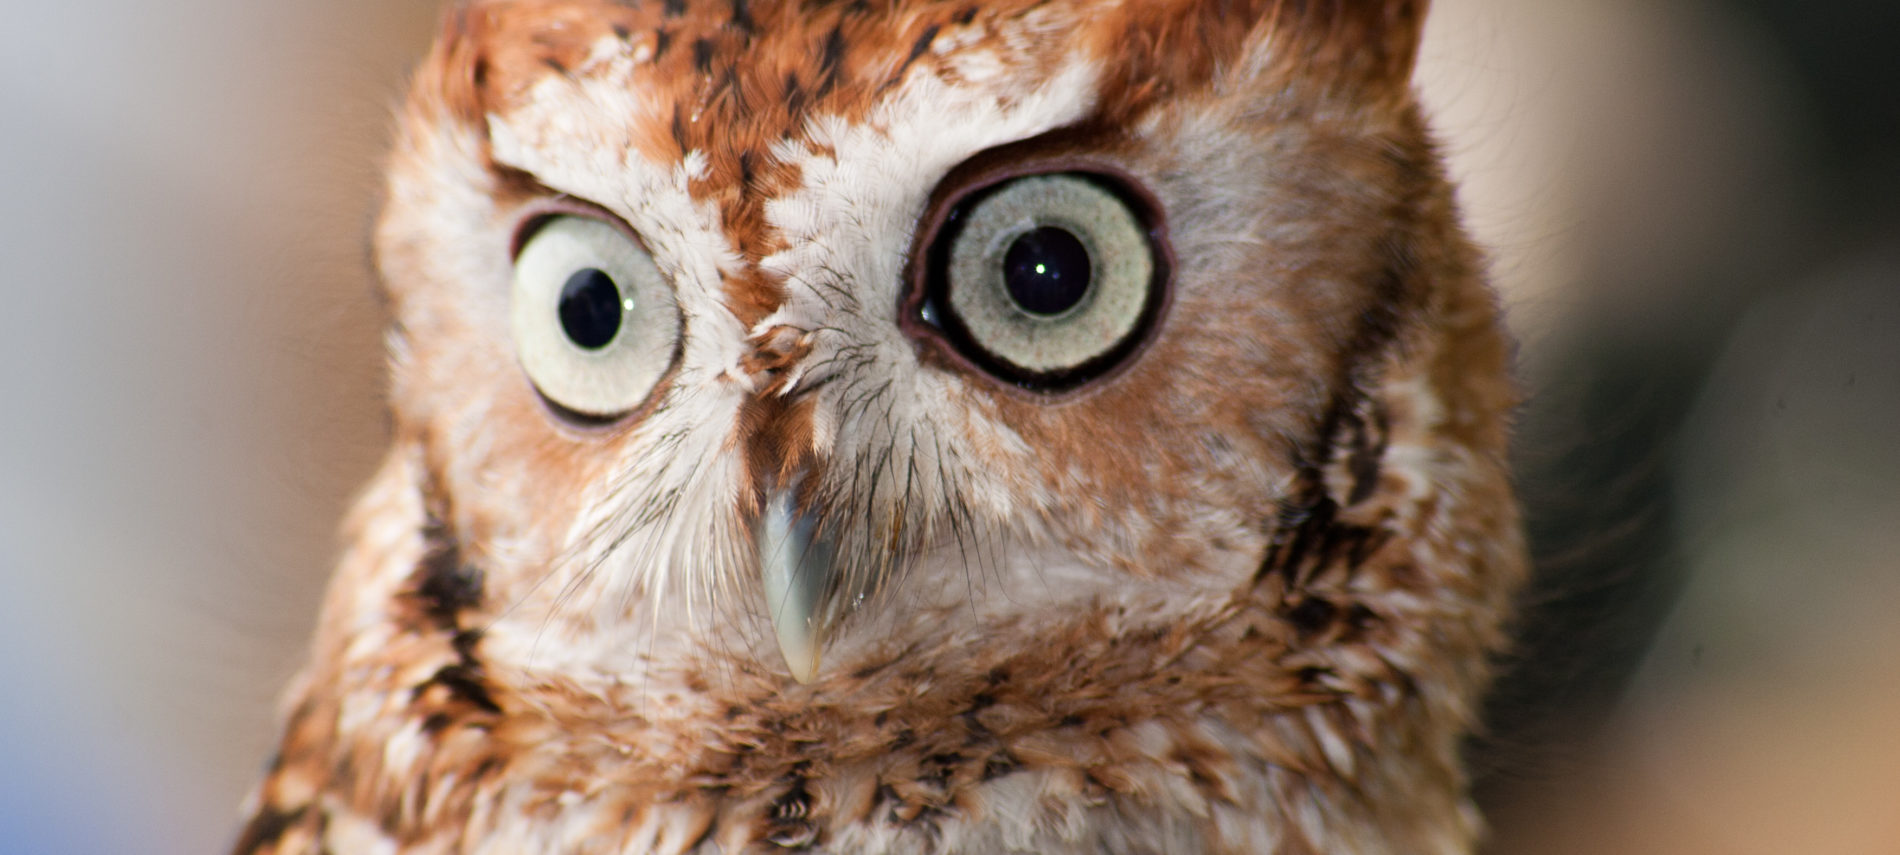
[[725, 128], [731, 78], [736, 97]]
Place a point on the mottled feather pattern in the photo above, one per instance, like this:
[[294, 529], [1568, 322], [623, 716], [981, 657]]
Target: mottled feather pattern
[[1239, 596]]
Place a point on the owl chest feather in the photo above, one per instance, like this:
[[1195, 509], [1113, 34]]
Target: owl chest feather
[[1087, 741], [1281, 717]]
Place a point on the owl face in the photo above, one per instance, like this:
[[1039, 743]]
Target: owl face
[[795, 338]]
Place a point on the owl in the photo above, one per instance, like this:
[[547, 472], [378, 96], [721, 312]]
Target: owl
[[916, 426]]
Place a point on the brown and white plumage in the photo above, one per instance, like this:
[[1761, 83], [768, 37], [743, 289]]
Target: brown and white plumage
[[1231, 587]]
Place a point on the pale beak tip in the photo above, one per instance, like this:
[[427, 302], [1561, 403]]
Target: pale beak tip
[[796, 571], [802, 659]]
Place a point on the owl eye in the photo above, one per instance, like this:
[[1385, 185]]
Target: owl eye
[[1045, 280], [594, 322]]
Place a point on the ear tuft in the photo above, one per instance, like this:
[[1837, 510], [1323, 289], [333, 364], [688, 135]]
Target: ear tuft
[[453, 76], [1167, 47], [1359, 44]]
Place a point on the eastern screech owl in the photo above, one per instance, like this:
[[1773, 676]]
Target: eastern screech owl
[[902, 426]]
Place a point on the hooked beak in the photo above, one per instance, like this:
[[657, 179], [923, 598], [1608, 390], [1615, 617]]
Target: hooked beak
[[797, 570]]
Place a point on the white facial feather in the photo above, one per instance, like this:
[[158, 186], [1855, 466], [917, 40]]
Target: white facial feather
[[910, 444], [661, 531]]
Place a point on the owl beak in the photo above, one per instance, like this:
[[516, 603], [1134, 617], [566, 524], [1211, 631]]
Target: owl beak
[[797, 570]]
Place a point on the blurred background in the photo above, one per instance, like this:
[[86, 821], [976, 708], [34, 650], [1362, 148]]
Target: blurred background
[[1694, 211]]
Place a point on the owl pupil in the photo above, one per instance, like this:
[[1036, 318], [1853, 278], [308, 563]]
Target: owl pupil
[[1047, 271], [590, 308]]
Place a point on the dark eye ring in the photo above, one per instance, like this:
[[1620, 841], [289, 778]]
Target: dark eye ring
[[1047, 281]]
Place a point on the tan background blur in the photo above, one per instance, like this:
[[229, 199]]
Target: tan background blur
[[1692, 207]]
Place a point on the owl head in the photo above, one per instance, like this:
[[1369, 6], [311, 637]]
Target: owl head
[[763, 342]]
